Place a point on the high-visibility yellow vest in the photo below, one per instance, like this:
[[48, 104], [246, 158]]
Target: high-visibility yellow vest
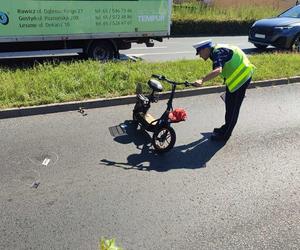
[[237, 70]]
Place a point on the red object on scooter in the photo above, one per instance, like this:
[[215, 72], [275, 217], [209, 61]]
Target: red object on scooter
[[177, 115]]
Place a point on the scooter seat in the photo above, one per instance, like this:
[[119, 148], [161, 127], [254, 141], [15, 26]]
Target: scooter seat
[[155, 85], [150, 119]]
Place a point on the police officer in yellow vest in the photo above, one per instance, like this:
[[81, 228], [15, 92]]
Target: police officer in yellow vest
[[233, 65]]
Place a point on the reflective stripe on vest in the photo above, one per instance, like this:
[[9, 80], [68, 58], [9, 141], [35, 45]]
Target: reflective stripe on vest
[[238, 76], [237, 70]]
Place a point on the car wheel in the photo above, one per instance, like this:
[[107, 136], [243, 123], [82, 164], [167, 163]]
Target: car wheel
[[296, 44], [260, 46]]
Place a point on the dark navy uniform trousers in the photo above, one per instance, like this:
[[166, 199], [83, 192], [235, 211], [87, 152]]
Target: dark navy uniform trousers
[[233, 102]]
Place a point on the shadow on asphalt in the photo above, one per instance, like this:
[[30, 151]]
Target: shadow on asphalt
[[191, 156]]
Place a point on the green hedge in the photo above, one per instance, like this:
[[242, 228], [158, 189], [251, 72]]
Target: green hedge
[[209, 28], [78, 80]]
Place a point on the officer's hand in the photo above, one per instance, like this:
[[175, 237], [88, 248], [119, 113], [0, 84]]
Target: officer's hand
[[198, 83]]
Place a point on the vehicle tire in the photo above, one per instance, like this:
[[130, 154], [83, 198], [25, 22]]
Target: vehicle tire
[[296, 44], [164, 139], [260, 46], [101, 51]]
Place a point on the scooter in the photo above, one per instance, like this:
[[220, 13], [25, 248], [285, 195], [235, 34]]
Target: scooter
[[164, 136]]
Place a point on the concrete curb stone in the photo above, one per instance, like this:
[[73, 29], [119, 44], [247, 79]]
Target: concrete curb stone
[[100, 103]]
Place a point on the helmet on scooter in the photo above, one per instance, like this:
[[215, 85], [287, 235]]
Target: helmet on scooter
[[178, 115]]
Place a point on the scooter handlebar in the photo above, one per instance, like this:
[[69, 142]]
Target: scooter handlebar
[[159, 77], [163, 78], [187, 84]]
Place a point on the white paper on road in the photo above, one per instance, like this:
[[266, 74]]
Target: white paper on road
[[46, 162]]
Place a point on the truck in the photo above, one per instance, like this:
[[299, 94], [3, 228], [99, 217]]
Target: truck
[[96, 29]]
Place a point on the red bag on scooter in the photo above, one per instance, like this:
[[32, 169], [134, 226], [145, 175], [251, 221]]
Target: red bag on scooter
[[178, 115]]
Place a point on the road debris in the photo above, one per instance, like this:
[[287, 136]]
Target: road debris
[[35, 184], [82, 111], [118, 130]]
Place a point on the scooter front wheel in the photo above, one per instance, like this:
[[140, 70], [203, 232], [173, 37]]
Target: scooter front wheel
[[164, 139]]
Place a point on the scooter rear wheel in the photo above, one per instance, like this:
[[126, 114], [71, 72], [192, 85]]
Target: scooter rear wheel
[[164, 139]]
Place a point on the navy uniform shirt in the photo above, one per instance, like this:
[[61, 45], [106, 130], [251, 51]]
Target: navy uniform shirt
[[220, 56]]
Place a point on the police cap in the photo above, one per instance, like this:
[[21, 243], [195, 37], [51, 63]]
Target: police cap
[[202, 45]]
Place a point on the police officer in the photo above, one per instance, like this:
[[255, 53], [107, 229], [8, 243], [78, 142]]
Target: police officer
[[233, 65]]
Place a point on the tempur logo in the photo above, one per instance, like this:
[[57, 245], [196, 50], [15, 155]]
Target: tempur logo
[[151, 19], [3, 18]]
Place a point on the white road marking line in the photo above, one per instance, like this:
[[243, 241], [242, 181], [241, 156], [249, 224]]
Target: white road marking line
[[162, 47], [162, 53]]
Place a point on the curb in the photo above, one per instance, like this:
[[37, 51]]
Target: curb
[[101, 103]]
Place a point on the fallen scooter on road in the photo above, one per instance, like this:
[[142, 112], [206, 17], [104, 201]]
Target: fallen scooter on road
[[164, 136]]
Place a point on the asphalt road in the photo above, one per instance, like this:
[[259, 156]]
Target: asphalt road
[[201, 195], [181, 48], [169, 50]]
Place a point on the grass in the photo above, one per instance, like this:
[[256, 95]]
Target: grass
[[108, 245], [78, 80], [193, 10]]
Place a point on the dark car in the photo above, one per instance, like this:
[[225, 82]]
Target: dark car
[[282, 32]]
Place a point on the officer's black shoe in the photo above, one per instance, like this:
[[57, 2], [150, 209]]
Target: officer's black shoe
[[219, 137], [220, 130]]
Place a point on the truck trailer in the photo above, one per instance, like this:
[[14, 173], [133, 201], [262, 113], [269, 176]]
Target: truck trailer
[[96, 29]]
